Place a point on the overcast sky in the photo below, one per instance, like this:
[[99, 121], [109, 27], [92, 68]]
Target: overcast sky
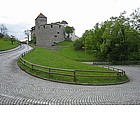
[[19, 15]]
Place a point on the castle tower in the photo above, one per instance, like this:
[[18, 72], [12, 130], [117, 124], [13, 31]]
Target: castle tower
[[47, 35], [40, 20]]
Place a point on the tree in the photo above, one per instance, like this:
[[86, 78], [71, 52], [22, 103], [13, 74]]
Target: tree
[[27, 33], [135, 19], [78, 44], [3, 29], [117, 39], [69, 30], [7, 37], [94, 39], [1, 35], [13, 39]]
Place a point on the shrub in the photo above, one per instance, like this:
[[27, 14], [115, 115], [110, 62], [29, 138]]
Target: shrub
[[1, 35], [78, 44]]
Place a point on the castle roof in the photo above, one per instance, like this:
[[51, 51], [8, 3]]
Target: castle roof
[[64, 22], [41, 16]]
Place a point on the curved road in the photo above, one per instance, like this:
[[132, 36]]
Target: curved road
[[17, 87]]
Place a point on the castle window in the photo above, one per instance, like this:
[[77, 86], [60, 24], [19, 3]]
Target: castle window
[[44, 26], [59, 26], [57, 32], [55, 36], [51, 26]]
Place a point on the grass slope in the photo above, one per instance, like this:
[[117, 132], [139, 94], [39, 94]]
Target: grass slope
[[68, 50], [7, 45], [55, 59], [52, 58]]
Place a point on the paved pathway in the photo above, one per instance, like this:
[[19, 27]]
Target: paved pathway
[[17, 87]]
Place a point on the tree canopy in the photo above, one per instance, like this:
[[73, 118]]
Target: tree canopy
[[68, 31], [3, 29], [117, 39], [27, 33]]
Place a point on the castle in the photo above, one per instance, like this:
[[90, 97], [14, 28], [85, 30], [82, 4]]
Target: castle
[[46, 34]]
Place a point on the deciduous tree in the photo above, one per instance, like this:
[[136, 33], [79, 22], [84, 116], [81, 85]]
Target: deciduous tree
[[117, 39], [68, 31], [27, 33], [3, 29]]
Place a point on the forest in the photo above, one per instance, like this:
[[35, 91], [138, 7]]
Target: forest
[[116, 39]]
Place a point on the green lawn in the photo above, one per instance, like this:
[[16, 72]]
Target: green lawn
[[7, 45], [65, 44], [55, 59], [50, 58], [68, 51]]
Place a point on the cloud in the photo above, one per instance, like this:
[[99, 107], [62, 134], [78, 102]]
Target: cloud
[[83, 15]]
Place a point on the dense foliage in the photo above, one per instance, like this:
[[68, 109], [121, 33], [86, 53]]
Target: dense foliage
[[69, 30], [117, 39]]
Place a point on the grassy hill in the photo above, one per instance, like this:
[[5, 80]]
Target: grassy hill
[[68, 51], [6, 44], [63, 59]]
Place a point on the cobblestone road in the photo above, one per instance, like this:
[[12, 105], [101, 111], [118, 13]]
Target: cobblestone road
[[17, 87]]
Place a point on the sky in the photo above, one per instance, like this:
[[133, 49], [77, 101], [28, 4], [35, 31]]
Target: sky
[[19, 15]]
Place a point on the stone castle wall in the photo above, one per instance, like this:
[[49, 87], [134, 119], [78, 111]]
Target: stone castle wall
[[49, 34]]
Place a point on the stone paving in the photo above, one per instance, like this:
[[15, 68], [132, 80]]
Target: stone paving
[[19, 88]]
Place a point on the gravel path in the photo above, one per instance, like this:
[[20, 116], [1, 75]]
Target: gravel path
[[17, 87]]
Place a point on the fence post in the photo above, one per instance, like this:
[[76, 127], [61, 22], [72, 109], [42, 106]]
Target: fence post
[[24, 62], [32, 67], [49, 72], [74, 72], [119, 74]]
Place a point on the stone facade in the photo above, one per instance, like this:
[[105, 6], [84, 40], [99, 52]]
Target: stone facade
[[48, 34]]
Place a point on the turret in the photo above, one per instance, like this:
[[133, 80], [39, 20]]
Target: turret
[[41, 20]]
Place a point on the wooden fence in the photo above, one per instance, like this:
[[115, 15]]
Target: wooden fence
[[72, 73]]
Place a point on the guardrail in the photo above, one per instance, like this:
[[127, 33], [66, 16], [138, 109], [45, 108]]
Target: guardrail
[[72, 73]]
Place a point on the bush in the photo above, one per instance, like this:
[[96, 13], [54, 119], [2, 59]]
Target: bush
[[78, 44], [1, 35]]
